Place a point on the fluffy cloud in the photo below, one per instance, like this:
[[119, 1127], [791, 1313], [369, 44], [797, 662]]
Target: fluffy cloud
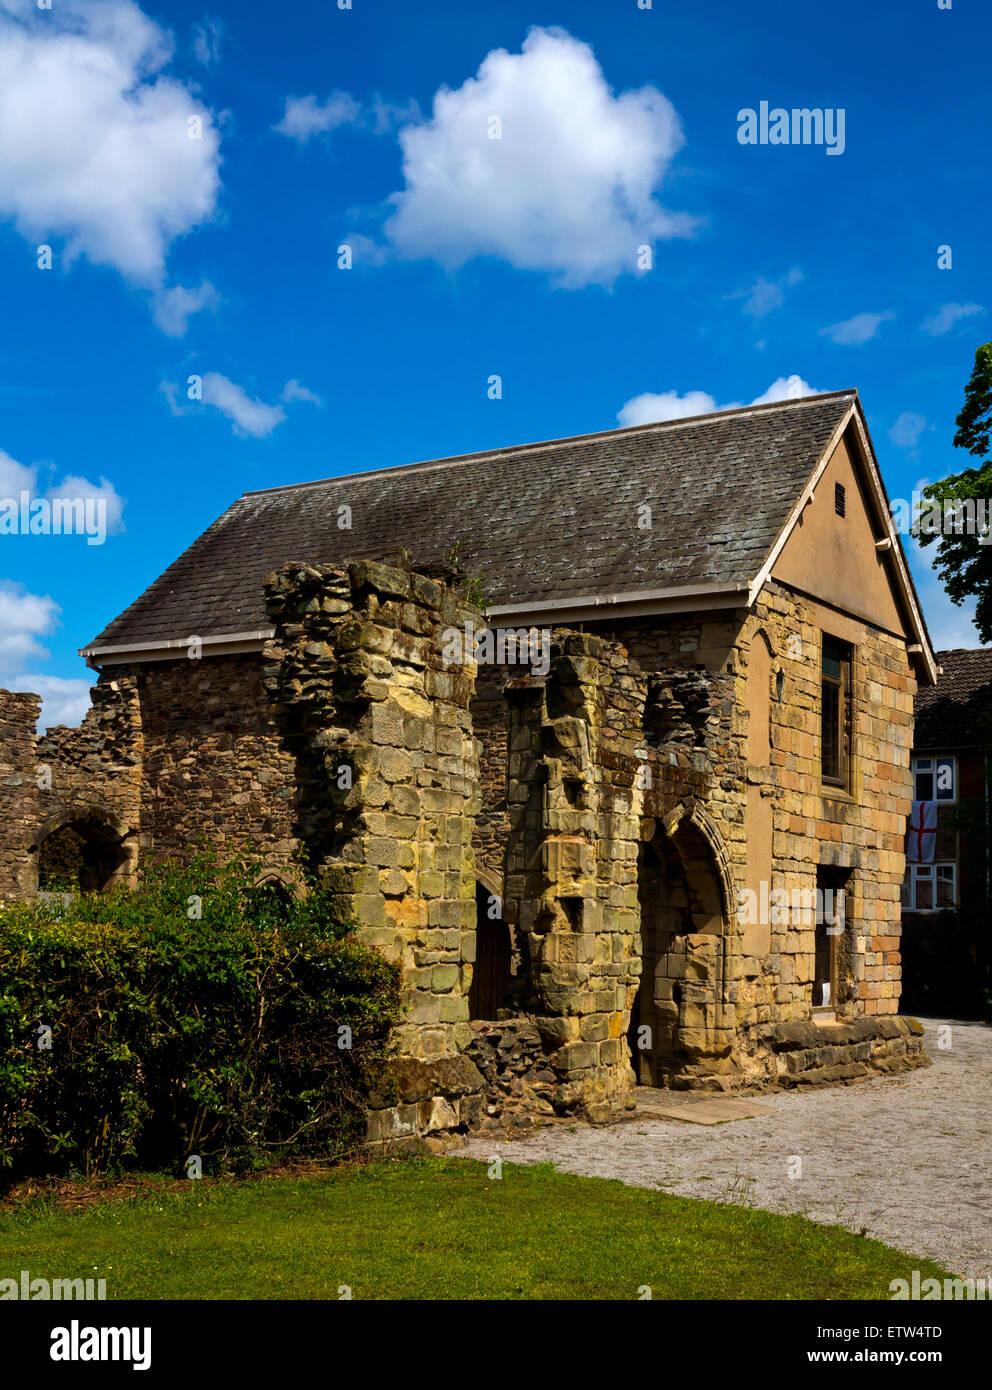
[[16, 478], [859, 329], [63, 701], [568, 187], [94, 139], [766, 295], [207, 39], [907, 430], [173, 308], [24, 619], [947, 316], [248, 414], [305, 117], [295, 391], [308, 116], [648, 409]]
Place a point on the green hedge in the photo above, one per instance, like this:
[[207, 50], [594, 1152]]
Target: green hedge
[[196, 1015]]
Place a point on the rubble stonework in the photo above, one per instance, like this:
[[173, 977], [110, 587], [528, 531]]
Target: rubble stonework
[[89, 777]]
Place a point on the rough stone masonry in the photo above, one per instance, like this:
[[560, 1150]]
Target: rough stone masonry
[[614, 832]]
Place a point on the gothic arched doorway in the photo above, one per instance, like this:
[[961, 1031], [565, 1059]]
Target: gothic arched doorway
[[677, 1015]]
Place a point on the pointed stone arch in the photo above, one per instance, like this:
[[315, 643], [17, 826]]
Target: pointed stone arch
[[687, 939]]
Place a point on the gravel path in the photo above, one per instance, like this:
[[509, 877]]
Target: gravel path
[[906, 1159]]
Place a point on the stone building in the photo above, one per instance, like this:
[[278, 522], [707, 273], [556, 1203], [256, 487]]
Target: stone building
[[606, 739]]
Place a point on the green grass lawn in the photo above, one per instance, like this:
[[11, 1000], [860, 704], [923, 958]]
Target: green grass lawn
[[442, 1228]]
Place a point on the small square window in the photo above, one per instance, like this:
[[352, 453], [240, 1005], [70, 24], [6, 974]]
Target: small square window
[[935, 779]]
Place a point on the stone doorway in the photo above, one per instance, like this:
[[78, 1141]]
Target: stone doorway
[[491, 972], [85, 855], [676, 1024], [831, 963]]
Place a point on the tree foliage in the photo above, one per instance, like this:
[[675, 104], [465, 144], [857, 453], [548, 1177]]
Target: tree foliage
[[964, 551]]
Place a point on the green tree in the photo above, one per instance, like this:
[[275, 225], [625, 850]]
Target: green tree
[[964, 558]]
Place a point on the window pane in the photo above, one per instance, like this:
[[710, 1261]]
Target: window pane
[[906, 891], [945, 779], [924, 891], [834, 653], [945, 885], [830, 751], [924, 785]]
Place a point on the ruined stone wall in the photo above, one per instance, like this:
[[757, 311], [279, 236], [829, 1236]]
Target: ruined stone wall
[[19, 794], [214, 765], [768, 971], [584, 792], [88, 777], [377, 717], [490, 722]]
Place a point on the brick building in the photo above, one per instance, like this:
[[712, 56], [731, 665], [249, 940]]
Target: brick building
[[599, 819], [947, 897]]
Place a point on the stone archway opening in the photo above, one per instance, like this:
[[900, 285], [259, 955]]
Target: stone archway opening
[[676, 1024], [84, 855], [492, 977]]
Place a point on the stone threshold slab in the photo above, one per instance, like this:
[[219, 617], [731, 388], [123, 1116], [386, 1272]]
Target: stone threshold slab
[[711, 1110]]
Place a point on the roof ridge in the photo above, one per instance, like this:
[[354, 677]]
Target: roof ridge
[[507, 449]]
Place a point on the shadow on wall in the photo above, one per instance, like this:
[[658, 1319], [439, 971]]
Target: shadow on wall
[[946, 965]]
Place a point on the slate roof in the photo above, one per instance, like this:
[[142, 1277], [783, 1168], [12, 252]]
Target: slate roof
[[957, 711], [537, 522]]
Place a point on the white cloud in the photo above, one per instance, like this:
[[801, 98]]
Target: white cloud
[[306, 116], [385, 116], [16, 478], [207, 39], [24, 619], [947, 316], [785, 388], [859, 329], [907, 430], [74, 486], [648, 409], [569, 187], [63, 701], [294, 391], [248, 414], [766, 295], [173, 308], [94, 139]]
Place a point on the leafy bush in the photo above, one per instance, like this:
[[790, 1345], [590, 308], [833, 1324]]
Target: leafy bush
[[198, 1014]]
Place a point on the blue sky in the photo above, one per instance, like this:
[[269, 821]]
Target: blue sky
[[217, 256]]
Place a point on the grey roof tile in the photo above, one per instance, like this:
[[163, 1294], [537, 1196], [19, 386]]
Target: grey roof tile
[[556, 520]]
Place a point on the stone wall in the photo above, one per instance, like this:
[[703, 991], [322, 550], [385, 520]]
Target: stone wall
[[19, 792], [378, 720], [622, 803], [89, 777]]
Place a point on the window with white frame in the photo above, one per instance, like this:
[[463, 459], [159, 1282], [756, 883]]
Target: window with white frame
[[935, 779], [930, 887]]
